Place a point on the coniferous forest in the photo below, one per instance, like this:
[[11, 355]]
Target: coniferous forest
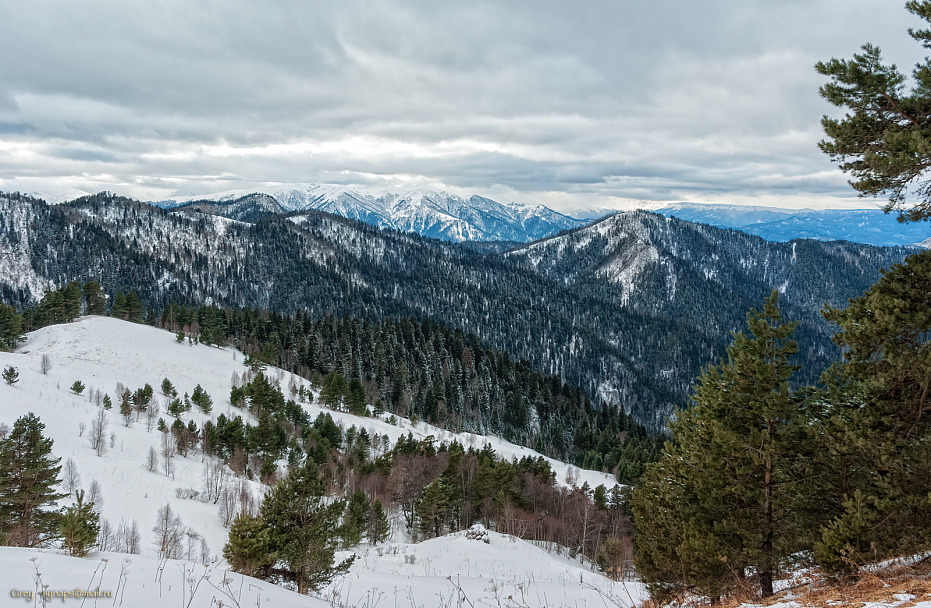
[[761, 476], [629, 309]]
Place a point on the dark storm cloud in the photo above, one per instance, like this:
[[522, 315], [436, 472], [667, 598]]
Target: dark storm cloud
[[600, 100]]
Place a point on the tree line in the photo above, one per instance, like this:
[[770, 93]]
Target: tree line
[[412, 368]]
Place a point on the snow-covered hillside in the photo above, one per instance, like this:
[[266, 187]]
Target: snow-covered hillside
[[433, 213], [107, 354]]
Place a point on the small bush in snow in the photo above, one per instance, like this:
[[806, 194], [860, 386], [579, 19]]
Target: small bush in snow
[[187, 493]]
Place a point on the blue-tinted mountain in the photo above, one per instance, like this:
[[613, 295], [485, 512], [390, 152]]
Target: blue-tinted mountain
[[870, 226]]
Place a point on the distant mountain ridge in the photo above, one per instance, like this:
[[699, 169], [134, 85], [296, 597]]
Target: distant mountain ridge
[[473, 218], [432, 213], [629, 309], [870, 226]]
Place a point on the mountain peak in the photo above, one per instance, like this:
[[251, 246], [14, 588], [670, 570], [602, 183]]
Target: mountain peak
[[427, 211]]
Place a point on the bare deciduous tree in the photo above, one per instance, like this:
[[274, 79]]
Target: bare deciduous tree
[[128, 538], [169, 450], [70, 476], [215, 475], [45, 364], [192, 540], [98, 434], [95, 495], [105, 540], [204, 551], [151, 462], [169, 534], [151, 415]]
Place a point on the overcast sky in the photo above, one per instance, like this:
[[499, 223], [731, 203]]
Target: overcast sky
[[570, 104]]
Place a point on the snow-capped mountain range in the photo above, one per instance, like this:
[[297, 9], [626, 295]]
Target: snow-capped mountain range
[[433, 213], [451, 217]]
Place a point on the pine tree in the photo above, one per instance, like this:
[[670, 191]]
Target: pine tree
[[142, 397], [248, 550], [119, 306], [379, 527], [168, 389], [881, 421], [176, 407], [10, 375], [334, 390], [95, 298], [11, 327], [303, 528], [78, 387], [28, 476], [355, 397], [134, 308], [883, 141], [433, 508], [202, 399], [79, 526], [355, 519], [728, 496], [126, 409]]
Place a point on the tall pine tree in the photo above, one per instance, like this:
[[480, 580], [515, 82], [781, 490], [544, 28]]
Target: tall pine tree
[[881, 399], [28, 476], [726, 499]]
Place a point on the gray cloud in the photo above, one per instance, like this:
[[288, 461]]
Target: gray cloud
[[567, 104]]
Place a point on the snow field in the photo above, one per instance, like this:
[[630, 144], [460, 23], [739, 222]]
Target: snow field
[[103, 352]]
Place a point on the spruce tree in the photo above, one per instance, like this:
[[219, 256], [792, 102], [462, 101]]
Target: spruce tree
[[78, 387], [28, 477], [729, 495]]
